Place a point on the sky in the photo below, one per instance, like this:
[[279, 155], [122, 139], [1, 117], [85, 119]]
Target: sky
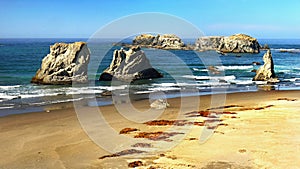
[[81, 19]]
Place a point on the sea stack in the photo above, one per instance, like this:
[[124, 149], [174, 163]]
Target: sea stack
[[129, 66], [238, 43], [65, 64], [166, 41], [266, 71], [209, 42]]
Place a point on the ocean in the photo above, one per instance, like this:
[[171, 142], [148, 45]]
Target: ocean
[[185, 74]]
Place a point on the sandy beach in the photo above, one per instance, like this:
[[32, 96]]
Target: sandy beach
[[255, 130]]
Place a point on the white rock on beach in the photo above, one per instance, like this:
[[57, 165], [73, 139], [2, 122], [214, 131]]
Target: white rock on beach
[[159, 104]]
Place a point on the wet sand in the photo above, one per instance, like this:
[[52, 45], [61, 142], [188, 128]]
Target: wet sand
[[248, 130]]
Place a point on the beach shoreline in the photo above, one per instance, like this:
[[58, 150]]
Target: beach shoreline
[[99, 100], [262, 134]]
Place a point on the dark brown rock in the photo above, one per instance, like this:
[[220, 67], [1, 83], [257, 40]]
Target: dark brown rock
[[256, 63], [135, 164], [128, 130]]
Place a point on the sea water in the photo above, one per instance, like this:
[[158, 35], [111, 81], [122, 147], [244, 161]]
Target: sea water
[[185, 73]]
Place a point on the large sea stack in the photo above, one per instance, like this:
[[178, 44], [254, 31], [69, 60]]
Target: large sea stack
[[239, 43], [129, 66], [166, 41], [266, 71], [65, 64]]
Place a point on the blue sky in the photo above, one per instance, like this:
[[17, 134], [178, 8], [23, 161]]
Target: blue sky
[[71, 18]]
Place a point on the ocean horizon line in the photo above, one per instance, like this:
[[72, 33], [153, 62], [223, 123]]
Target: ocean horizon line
[[129, 37]]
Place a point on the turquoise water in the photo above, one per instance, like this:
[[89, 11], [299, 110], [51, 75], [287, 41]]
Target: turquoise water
[[20, 58]]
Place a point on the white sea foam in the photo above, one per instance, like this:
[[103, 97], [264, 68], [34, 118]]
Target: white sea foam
[[143, 92], [7, 107], [293, 50], [24, 96], [291, 80], [164, 84], [111, 88], [244, 67], [9, 87], [67, 100], [24, 92], [242, 82], [55, 102], [200, 70], [260, 82], [174, 84], [187, 84], [84, 91], [213, 84], [226, 78], [284, 71], [4, 97], [164, 88], [197, 77]]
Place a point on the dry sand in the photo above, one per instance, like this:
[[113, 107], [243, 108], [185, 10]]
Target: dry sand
[[264, 133]]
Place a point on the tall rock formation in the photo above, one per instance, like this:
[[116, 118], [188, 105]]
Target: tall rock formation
[[239, 43], [266, 71], [65, 64], [129, 66]]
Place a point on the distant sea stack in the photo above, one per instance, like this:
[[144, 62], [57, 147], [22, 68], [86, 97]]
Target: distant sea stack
[[266, 71], [129, 66], [239, 43], [65, 64], [209, 42], [166, 41]]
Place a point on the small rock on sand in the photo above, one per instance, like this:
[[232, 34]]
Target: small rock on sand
[[160, 104]]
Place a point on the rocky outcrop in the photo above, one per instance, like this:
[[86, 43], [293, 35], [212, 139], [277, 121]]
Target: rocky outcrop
[[166, 41], [266, 71], [65, 64], [209, 42], [239, 43], [144, 40], [264, 47], [129, 66]]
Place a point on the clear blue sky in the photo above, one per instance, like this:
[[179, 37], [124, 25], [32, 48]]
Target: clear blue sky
[[72, 18]]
